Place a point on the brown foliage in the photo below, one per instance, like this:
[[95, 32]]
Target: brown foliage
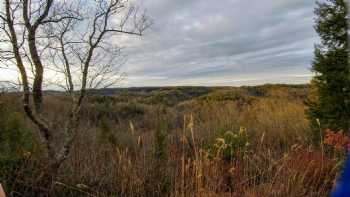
[[279, 161]]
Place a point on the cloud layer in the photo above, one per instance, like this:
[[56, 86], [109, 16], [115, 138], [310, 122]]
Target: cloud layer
[[227, 42]]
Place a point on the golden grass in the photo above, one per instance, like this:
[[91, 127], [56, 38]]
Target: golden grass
[[279, 160]]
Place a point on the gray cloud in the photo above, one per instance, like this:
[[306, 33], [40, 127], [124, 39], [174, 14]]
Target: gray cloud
[[227, 42]]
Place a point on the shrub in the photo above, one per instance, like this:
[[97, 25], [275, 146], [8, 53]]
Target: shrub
[[158, 180], [160, 141], [338, 140], [129, 110], [106, 134], [227, 95], [120, 139], [229, 144], [94, 112], [17, 143]]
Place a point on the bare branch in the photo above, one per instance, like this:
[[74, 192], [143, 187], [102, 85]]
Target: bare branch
[[72, 41]]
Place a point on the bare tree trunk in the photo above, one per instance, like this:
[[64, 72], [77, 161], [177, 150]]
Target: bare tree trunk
[[24, 24]]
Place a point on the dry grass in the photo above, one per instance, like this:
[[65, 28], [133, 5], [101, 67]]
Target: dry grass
[[278, 161]]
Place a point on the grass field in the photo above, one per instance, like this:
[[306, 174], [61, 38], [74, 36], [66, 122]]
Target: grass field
[[176, 141]]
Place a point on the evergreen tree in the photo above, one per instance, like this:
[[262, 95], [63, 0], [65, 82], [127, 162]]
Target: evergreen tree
[[330, 107]]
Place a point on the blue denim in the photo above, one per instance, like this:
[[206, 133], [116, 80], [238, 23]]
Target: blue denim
[[342, 189]]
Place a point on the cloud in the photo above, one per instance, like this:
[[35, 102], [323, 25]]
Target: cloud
[[195, 42], [226, 42]]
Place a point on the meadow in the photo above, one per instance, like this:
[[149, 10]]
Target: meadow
[[176, 141]]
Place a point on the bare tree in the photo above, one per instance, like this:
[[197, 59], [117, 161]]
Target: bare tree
[[71, 39]]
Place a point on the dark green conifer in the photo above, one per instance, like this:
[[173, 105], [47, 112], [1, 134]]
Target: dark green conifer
[[330, 108]]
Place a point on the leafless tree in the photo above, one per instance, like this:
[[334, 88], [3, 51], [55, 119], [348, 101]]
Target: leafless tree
[[70, 39]]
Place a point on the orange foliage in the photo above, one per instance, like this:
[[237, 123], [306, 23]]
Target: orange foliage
[[338, 140]]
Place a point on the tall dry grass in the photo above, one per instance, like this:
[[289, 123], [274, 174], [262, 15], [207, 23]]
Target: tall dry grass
[[193, 148]]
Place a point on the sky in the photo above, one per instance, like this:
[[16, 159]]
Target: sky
[[222, 43]]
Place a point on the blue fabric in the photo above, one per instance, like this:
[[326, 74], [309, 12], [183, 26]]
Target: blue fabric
[[342, 189]]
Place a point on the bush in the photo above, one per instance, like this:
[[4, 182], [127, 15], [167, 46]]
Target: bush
[[160, 141], [94, 112], [158, 180], [116, 138], [239, 97], [17, 143], [229, 144]]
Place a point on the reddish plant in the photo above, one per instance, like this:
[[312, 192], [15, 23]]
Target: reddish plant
[[339, 140]]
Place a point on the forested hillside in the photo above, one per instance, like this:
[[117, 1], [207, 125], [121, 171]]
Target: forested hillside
[[192, 141]]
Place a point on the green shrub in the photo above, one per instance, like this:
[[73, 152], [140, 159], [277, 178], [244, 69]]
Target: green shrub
[[229, 145], [238, 96], [129, 110], [94, 112], [17, 143], [16, 140], [106, 134], [158, 180], [160, 141], [120, 139]]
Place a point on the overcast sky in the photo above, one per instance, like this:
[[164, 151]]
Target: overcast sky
[[223, 42], [226, 42]]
